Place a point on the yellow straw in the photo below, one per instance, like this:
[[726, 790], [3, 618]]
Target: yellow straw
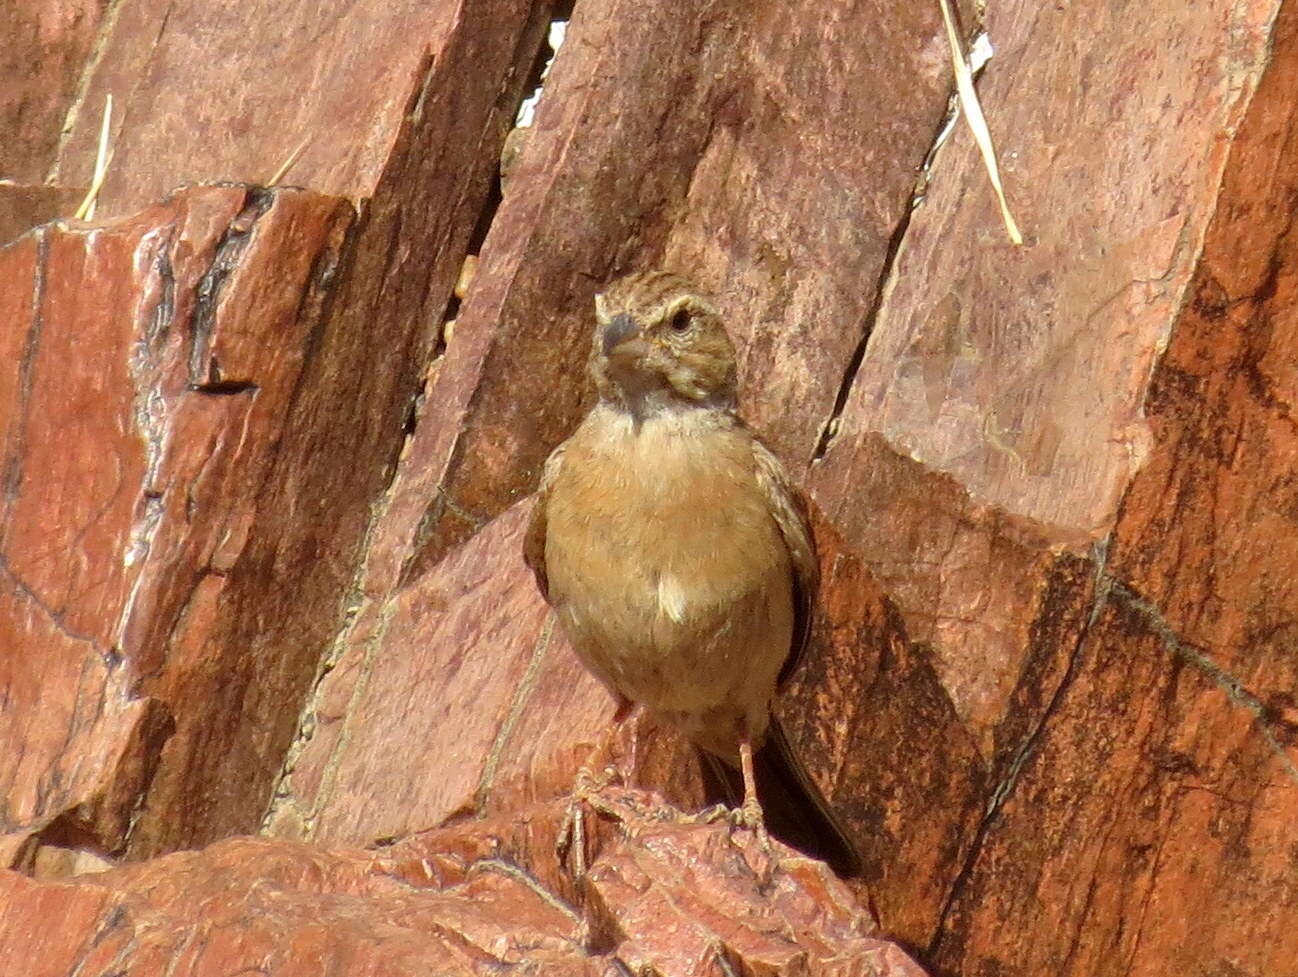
[[87, 209], [288, 163], [977, 122]]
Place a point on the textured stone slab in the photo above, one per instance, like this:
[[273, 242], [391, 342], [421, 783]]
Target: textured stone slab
[[683, 899], [457, 901], [189, 496], [1149, 825], [81, 747], [451, 671], [46, 46], [155, 375], [491, 705], [869, 716], [1021, 372], [1149, 828], [230, 91], [23, 207]]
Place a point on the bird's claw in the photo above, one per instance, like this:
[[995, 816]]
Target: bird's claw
[[748, 816], [571, 837], [711, 815]]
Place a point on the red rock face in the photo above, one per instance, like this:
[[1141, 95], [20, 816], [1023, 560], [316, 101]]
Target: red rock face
[[447, 903], [262, 504], [44, 56], [1156, 814], [373, 72], [153, 379], [24, 207], [605, 186]]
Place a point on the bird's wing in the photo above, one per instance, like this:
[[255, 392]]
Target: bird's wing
[[534, 540], [789, 509]]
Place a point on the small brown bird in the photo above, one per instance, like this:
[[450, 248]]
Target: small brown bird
[[676, 550]]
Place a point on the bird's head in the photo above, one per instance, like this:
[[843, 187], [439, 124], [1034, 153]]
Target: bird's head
[[660, 345]]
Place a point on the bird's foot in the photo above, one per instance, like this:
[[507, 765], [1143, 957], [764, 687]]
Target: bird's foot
[[749, 815], [571, 839], [710, 815]]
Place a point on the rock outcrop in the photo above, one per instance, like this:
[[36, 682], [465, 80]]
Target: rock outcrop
[[267, 454]]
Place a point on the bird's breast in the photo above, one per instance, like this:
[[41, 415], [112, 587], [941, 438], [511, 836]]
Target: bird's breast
[[661, 521]]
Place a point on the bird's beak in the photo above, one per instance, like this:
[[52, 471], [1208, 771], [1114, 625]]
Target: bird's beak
[[618, 330]]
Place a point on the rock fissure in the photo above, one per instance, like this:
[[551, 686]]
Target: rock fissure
[[1232, 686], [224, 388], [13, 474], [1005, 787], [522, 694], [76, 105], [829, 430], [54, 617], [229, 252]]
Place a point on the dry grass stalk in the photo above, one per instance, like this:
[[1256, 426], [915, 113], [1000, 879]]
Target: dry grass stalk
[[977, 121], [86, 210], [288, 163]]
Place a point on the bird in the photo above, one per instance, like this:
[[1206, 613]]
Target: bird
[[676, 551]]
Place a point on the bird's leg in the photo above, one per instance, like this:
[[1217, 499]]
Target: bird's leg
[[631, 723], [626, 719], [586, 787], [750, 814]]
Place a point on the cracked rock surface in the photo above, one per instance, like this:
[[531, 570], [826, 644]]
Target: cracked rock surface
[[664, 894], [276, 691]]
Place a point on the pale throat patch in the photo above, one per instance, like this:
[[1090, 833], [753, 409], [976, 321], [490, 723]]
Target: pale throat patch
[[666, 429]]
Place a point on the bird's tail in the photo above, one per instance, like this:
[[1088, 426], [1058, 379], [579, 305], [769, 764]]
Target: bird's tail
[[795, 809]]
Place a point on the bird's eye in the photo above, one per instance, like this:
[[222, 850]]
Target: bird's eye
[[681, 320]]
